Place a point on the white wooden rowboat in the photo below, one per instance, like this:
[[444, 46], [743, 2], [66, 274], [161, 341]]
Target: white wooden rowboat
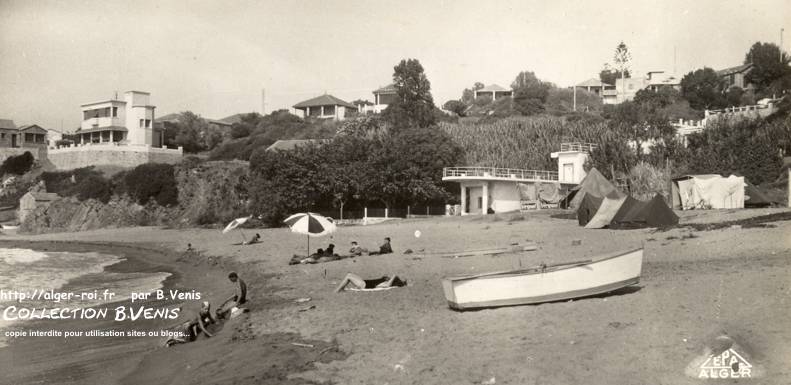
[[481, 252], [545, 283]]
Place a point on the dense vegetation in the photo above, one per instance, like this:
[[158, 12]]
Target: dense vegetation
[[146, 182], [18, 164], [255, 131]]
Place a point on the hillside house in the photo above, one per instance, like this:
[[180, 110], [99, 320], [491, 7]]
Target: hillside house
[[29, 136], [325, 107], [115, 132], [604, 90], [32, 201], [383, 97], [493, 92], [736, 76], [626, 89], [128, 121], [499, 190]]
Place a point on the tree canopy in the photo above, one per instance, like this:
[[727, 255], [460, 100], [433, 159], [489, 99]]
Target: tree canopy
[[413, 105], [703, 88], [530, 93], [771, 71]]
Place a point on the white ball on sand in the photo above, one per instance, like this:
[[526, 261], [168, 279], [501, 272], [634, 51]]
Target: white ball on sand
[[417, 233]]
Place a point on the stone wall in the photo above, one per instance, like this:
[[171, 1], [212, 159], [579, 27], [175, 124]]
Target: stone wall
[[67, 158]]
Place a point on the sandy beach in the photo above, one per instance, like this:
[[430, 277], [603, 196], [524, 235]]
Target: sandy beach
[[696, 285]]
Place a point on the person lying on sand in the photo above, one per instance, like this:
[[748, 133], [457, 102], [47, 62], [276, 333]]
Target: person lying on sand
[[194, 326], [385, 248], [360, 283]]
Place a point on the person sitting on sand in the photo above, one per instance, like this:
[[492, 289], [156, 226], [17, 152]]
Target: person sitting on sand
[[255, 239], [360, 283], [239, 296], [330, 250], [356, 250], [191, 328], [385, 248]]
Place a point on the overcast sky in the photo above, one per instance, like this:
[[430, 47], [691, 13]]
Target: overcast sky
[[214, 57]]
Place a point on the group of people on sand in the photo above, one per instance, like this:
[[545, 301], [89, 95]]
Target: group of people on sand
[[328, 254], [190, 329]]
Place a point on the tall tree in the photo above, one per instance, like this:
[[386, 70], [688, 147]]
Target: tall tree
[[769, 65], [622, 58], [530, 93], [703, 88], [414, 105]]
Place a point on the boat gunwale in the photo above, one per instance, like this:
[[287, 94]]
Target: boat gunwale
[[497, 250], [538, 270]]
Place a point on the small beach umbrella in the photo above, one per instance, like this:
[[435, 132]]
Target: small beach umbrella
[[310, 224], [236, 223]]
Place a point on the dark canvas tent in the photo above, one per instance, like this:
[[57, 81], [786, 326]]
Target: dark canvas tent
[[627, 212], [587, 208], [654, 213], [595, 184]]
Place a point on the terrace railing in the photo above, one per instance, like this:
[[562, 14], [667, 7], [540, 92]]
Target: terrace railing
[[495, 172], [577, 146]]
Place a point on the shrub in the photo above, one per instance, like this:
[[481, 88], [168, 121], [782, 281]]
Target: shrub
[[94, 186], [155, 181], [83, 183], [18, 165]]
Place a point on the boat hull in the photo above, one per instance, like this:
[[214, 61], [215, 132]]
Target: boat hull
[[536, 286]]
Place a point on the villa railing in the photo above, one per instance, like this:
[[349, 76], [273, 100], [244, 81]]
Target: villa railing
[[577, 146], [494, 172]]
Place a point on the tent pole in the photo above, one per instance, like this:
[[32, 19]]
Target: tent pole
[[308, 254]]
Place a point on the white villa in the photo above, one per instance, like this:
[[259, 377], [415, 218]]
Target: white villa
[[128, 121], [485, 189], [116, 132]]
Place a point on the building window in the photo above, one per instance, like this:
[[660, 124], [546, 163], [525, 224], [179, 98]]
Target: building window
[[115, 112], [480, 202], [329, 110], [148, 123], [2, 136], [142, 122]]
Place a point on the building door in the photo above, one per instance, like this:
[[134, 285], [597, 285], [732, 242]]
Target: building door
[[568, 172], [13, 140]]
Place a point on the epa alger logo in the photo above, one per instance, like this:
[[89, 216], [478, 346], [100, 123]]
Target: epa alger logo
[[728, 364]]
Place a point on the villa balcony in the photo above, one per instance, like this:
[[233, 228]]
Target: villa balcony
[[458, 174]]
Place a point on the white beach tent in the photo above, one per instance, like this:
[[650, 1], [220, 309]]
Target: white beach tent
[[709, 191]]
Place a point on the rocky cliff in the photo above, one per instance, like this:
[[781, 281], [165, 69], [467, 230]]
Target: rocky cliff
[[69, 214], [208, 193]]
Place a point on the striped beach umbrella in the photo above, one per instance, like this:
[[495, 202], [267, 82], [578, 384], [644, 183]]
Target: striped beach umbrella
[[236, 223], [310, 224]]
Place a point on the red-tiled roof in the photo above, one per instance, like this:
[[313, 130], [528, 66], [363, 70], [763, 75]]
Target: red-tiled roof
[[388, 89], [290, 144], [493, 88], [323, 100], [7, 124], [736, 69]]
